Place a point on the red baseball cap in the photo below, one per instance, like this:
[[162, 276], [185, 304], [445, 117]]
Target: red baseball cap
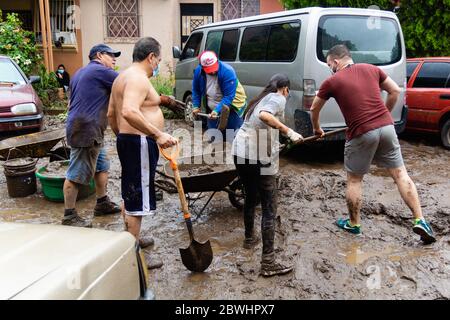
[[209, 62]]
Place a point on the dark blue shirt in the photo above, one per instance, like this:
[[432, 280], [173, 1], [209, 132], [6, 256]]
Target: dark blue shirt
[[90, 89]]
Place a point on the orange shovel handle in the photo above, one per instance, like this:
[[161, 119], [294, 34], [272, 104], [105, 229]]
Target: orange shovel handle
[[176, 174]]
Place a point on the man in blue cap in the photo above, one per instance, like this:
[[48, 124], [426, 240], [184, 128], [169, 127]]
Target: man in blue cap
[[86, 123]]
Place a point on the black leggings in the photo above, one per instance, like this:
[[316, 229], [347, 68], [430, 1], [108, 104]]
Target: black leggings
[[264, 185]]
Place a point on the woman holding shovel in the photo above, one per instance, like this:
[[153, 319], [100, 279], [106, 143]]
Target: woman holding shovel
[[255, 151]]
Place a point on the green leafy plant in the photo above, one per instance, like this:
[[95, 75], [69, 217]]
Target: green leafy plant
[[425, 24], [164, 85], [62, 116], [18, 43], [47, 90]]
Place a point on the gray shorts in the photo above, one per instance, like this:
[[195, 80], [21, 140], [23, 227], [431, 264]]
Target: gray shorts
[[380, 145]]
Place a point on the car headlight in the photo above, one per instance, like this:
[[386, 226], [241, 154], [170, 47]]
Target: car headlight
[[24, 108]]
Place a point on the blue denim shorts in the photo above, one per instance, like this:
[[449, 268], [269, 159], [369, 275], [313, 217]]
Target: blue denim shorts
[[85, 162]]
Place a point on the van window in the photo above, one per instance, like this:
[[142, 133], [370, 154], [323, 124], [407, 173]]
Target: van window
[[433, 75], [192, 47], [254, 44], [223, 43], [370, 40], [283, 42], [410, 67], [270, 43], [213, 41], [229, 46]]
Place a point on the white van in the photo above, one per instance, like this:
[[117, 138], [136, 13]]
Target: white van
[[296, 42]]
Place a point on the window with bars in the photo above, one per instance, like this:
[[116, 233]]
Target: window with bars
[[63, 16], [122, 18]]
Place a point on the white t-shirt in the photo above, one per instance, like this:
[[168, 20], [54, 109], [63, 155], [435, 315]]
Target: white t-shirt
[[257, 141], [213, 92]]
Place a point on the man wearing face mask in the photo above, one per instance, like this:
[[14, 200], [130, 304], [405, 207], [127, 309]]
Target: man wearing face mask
[[217, 84], [371, 134], [137, 120], [86, 122]]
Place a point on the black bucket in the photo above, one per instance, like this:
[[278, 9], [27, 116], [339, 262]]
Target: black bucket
[[20, 177]]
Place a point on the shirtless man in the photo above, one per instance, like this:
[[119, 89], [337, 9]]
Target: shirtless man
[[137, 120]]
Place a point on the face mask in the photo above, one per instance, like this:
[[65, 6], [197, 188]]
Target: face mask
[[61, 71], [333, 70], [155, 71], [288, 96]]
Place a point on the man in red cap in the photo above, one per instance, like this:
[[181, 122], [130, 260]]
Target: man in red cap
[[216, 85]]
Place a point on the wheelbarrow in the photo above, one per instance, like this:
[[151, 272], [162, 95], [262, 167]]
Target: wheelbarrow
[[198, 179], [34, 145]]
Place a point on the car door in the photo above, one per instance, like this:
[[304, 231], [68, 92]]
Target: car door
[[428, 95]]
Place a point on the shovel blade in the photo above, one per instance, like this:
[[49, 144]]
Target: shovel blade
[[223, 118], [197, 257]]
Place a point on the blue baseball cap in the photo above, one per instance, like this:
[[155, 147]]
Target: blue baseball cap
[[103, 48]]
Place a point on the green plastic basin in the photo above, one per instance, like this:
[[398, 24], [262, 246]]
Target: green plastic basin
[[52, 187]]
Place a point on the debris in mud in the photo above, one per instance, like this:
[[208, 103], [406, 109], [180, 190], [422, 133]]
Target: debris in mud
[[189, 170], [199, 170], [56, 169]]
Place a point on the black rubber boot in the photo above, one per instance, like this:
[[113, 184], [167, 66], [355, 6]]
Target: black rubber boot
[[250, 242], [268, 195]]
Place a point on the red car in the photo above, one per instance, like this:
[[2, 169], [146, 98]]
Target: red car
[[20, 107], [428, 96]]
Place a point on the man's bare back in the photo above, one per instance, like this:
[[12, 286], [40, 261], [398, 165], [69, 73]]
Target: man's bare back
[[124, 86]]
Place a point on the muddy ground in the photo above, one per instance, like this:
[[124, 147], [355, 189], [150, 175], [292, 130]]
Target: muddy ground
[[386, 262]]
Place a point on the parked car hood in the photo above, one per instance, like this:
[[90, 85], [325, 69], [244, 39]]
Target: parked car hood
[[10, 96], [54, 261]]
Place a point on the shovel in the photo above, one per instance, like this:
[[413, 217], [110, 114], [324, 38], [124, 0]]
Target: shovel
[[198, 256], [223, 116], [313, 138]]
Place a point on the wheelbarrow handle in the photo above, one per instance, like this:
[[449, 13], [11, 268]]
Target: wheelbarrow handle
[[163, 174]]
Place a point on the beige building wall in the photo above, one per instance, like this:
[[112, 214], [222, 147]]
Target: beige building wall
[[159, 19]]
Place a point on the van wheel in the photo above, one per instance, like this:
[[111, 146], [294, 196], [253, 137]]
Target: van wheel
[[188, 116], [445, 134]]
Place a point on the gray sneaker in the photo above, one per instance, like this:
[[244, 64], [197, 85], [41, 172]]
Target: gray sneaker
[[75, 220], [274, 268]]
